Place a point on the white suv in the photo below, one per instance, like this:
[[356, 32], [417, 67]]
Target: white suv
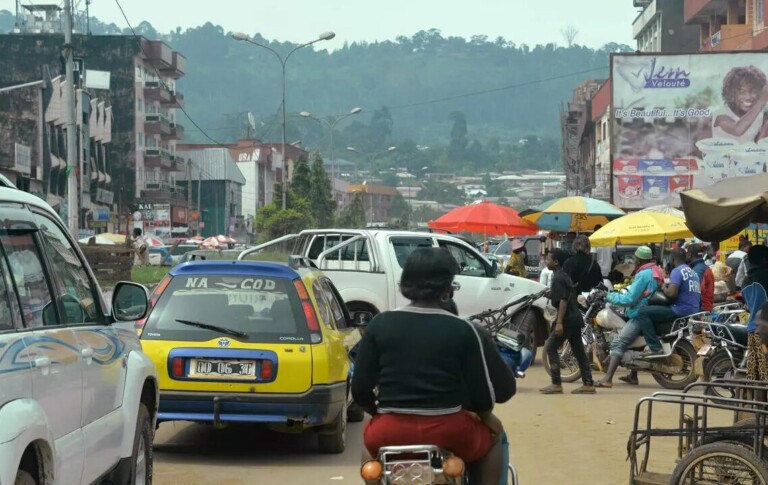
[[77, 396]]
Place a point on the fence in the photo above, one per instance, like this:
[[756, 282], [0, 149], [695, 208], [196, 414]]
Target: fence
[[110, 264]]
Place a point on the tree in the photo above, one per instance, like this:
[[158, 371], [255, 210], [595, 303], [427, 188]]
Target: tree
[[301, 182], [569, 33], [322, 203], [399, 207], [353, 217], [458, 135], [273, 222]]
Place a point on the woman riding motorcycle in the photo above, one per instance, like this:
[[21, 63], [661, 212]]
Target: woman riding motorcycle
[[426, 376]]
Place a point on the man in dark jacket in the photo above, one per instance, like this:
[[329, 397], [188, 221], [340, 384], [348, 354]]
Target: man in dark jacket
[[582, 268]]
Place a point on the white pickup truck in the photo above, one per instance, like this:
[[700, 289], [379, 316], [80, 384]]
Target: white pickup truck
[[365, 266]]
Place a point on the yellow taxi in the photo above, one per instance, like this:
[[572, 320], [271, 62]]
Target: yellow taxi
[[254, 342]]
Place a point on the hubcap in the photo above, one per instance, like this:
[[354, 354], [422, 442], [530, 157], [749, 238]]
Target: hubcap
[[141, 462]]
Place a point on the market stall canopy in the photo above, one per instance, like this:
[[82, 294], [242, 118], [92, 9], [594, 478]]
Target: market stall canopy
[[724, 209], [484, 218], [572, 214], [116, 238], [643, 227], [154, 242]]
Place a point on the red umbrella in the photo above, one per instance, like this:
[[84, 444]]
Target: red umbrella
[[484, 218]]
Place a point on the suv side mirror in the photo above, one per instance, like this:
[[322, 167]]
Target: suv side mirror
[[495, 268], [361, 319], [130, 302]]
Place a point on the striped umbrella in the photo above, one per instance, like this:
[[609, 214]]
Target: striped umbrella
[[572, 214]]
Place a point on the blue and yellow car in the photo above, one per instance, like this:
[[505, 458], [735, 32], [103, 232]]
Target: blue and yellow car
[[253, 342]]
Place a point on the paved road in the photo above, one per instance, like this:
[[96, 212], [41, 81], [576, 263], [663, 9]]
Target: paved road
[[565, 439]]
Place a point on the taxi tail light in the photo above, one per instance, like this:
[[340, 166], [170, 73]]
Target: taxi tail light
[[309, 312], [156, 294], [266, 370], [371, 470], [177, 367]]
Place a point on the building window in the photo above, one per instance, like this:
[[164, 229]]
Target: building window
[[759, 13], [139, 73]]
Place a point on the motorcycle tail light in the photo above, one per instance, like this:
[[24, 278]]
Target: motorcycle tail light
[[371, 470], [453, 467]]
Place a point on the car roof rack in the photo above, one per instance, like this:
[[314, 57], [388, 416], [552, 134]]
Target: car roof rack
[[297, 261]]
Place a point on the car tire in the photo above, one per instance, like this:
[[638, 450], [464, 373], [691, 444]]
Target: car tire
[[141, 460], [335, 441], [23, 477]]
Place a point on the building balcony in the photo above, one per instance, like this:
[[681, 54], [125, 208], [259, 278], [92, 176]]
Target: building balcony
[[177, 132], [158, 53], [157, 124], [177, 67], [728, 38], [176, 101], [157, 91], [165, 194], [158, 158], [700, 11]]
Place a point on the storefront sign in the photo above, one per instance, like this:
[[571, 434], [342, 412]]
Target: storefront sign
[[101, 215], [179, 215]]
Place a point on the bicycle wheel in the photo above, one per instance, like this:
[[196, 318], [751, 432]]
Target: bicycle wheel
[[719, 463]]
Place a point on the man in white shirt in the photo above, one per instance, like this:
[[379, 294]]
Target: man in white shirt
[[737, 261]]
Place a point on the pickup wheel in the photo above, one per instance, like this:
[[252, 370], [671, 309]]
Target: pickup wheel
[[525, 323], [24, 478], [141, 462]]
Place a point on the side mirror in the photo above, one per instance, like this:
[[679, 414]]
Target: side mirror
[[130, 302], [495, 268], [361, 319]]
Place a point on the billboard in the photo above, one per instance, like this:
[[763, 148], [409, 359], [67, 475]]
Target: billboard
[[685, 121]]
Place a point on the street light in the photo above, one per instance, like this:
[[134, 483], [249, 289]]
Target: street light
[[331, 126], [283, 60], [370, 157]]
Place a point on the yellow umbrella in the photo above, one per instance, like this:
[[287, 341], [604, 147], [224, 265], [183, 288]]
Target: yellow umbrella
[[641, 228]]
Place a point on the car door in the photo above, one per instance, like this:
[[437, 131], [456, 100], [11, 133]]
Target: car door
[[15, 367], [400, 247], [52, 349], [474, 288], [351, 335], [100, 345], [334, 339]]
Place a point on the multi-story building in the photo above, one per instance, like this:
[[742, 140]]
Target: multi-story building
[[600, 108], [215, 186], [144, 99], [578, 139], [727, 25], [660, 27], [33, 149]]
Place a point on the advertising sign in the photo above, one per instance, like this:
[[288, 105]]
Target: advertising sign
[[686, 121]]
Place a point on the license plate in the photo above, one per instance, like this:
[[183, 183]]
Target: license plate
[[704, 350], [222, 369]]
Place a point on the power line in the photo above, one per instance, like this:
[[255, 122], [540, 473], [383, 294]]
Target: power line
[[494, 90]]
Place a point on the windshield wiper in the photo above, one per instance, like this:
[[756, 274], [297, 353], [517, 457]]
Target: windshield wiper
[[215, 328]]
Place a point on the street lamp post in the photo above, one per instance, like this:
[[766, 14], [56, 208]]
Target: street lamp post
[[332, 126], [283, 60]]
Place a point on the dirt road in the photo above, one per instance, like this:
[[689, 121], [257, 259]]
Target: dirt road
[[564, 439]]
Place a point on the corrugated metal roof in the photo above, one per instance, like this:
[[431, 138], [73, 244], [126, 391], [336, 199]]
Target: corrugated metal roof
[[216, 164]]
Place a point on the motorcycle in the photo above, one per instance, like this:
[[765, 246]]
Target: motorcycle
[[603, 323], [725, 356], [510, 340], [425, 464]]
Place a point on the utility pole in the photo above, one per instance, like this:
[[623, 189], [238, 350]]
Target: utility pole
[[73, 160], [199, 186]]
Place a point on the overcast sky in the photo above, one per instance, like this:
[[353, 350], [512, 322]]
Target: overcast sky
[[521, 21]]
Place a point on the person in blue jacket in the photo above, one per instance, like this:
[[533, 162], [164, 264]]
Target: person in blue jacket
[[648, 276]]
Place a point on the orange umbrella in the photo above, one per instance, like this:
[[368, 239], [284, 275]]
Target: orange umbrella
[[484, 218]]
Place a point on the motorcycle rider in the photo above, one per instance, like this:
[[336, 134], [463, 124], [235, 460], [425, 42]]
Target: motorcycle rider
[[696, 255], [647, 279], [684, 291], [426, 376]]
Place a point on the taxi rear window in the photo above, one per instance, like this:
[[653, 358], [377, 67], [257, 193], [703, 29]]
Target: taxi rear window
[[265, 309]]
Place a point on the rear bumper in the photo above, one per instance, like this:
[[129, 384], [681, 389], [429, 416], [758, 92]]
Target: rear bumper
[[318, 406]]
